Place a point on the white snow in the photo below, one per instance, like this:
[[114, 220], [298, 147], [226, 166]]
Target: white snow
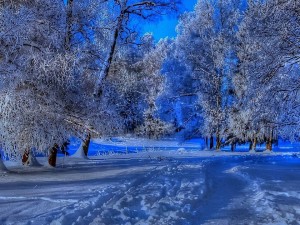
[[154, 187], [143, 142], [79, 152]]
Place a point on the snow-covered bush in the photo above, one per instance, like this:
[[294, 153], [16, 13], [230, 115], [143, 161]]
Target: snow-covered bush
[[153, 127]]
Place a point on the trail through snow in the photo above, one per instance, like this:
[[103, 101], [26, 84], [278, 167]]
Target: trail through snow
[[212, 190]]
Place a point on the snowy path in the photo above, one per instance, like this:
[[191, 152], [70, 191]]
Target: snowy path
[[223, 190]]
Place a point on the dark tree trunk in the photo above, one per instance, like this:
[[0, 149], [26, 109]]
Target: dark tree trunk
[[211, 142], [269, 141], [218, 144], [233, 146], [53, 155], [86, 144], [269, 144], [254, 144], [105, 71], [25, 157], [251, 145], [69, 23], [206, 142]]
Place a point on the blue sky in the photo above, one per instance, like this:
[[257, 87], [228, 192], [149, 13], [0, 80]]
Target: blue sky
[[166, 27]]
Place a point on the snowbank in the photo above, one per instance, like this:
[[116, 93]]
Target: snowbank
[[79, 152]]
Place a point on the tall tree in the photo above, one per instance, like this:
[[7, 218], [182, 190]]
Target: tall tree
[[268, 50], [206, 39], [127, 11], [45, 91]]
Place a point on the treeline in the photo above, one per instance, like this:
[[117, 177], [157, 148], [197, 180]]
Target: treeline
[[234, 72]]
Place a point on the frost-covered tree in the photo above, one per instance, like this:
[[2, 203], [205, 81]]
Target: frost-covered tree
[[206, 42], [50, 59], [244, 63], [179, 101], [29, 48], [127, 14], [136, 82], [45, 88], [268, 57]]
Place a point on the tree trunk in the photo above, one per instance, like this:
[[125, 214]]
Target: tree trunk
[[269, 141], [218, 144], [206, 142], [108, 61], [211, 142], [233, 146], [53, 155], [69, 23], [251, 145], [2, 165], [269, 144], [29, 159], [254, 144], [86, 144], [25, 157]]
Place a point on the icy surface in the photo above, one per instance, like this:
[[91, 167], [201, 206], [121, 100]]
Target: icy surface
[[154, 189]]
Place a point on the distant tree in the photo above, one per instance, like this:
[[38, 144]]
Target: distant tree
[[179, 100], [136, 82], [206, 41]]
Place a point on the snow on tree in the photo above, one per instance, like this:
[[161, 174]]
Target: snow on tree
[[135, 82], [179, 98], [32, 68], [231, 74], [125, 87], [206, 41], [46, 92], [126, 12], [267, 58], [50, 60]]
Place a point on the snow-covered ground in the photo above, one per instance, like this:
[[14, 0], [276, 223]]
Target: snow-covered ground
[[155, 187], [127, 145]]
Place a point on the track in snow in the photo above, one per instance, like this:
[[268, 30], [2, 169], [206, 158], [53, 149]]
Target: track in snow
[[225, 190]]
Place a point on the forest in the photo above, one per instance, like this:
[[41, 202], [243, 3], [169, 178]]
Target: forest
[[85, 69]]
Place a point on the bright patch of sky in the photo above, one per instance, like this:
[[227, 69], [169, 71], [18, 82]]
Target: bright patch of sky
[[167, 26]]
